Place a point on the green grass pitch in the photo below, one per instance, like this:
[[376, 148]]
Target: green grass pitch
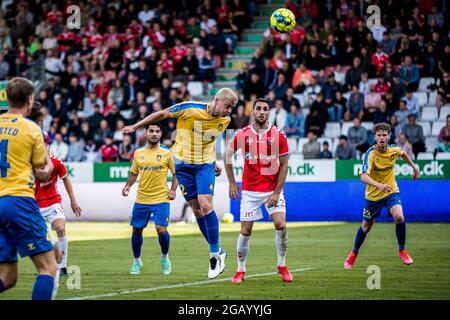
[[105, 265]]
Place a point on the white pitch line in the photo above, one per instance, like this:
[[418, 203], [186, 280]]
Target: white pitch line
[[180, 285]]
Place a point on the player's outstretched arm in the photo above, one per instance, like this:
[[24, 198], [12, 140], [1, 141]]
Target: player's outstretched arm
[[131, 180], [368, 180], [73, 201], [407, 158], [44, 171], [153, 118], [233, 188], [275, 196]]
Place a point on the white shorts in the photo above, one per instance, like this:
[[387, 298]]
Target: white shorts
[[252, 202], [52, 213]]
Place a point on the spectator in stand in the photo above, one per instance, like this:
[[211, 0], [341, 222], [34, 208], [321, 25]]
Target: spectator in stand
[[402, 114], [443, 93], [75, 95], [75, 152], [382, 86], [353, 75], [315, 122], [254, 86], [330, 88], [290, 99], [101, 133], [405, 145], [109, 150], [412, 103], [295, 123], [364, 86], [239, 120], [189, 66], [59, 147], [382, 114], [311, 149], [278, 115], [444, 138], [388, 44], [355, 104], [206, 68], [325, 153], [357, 136], [4, 67], [345, 151], [89, 102], [302, 78], [409, 74], [337, 107], [126, 149], [321, 106], [281, 86], [371, 103], [379, 59], [267, 75], [414, 134]]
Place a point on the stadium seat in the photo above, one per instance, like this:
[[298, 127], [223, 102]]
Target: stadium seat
[[345, 127], [444, 112], [443, 156], [305, 112], [424, 83], [195, 88], [322, 140], [372, 81], [429, 114], [332, 130], [301, 142], [426, 127], [425, 156], [367, 124], [431, 143], [176, 84], [432, 98], [301, 99], [347, 95], [292, 143], [436, 128], [335, 145], [422, 97]]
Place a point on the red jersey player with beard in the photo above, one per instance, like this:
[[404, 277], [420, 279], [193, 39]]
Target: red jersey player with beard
[[265, 151], [49, 202]]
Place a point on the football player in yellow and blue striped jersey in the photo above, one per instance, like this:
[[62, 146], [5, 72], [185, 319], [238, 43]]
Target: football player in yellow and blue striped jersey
[[151, 163], [378, 173], [22, 228], [198, 126]]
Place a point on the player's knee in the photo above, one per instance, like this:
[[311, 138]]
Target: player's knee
[[137, 230], [10, 281], [366, 227], [246, 232], [399, 219], [161, 231], [205, 207], [280, 225], [61, 231]]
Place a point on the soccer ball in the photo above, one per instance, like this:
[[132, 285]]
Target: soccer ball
[[282, 20], [228, 218]]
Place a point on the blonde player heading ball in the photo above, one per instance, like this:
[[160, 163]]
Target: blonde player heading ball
[[265, 151], [198, 126]]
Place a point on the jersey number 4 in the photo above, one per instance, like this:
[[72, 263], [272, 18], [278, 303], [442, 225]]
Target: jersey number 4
[[4, 164]]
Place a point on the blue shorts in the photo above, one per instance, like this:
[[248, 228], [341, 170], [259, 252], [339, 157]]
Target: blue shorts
[[142, 213], [195, 179], [22, 229], [372, 209]]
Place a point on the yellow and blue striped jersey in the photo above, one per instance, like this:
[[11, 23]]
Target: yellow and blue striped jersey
[[197, 132], [152, 166], [21, 147], [381, 168]]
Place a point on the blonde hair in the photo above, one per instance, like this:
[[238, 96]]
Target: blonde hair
[[228, 94]]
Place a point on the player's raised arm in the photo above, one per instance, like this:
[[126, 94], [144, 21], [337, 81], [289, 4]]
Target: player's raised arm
[[407, 158], [73, 201], [153, 118]]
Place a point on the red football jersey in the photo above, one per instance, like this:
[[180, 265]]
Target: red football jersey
[[46, 192], [261, 154]]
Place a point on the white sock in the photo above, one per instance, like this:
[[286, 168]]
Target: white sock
[[137, 260], [55, 284], [63, 244], [215, 254], [242, 251], [281, 243], [164, 256]]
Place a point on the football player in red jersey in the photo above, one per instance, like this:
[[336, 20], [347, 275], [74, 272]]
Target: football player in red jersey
[[49, 202], [265, 151]]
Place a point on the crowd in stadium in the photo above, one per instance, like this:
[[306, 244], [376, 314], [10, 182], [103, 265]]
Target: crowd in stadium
[[120, 67]]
